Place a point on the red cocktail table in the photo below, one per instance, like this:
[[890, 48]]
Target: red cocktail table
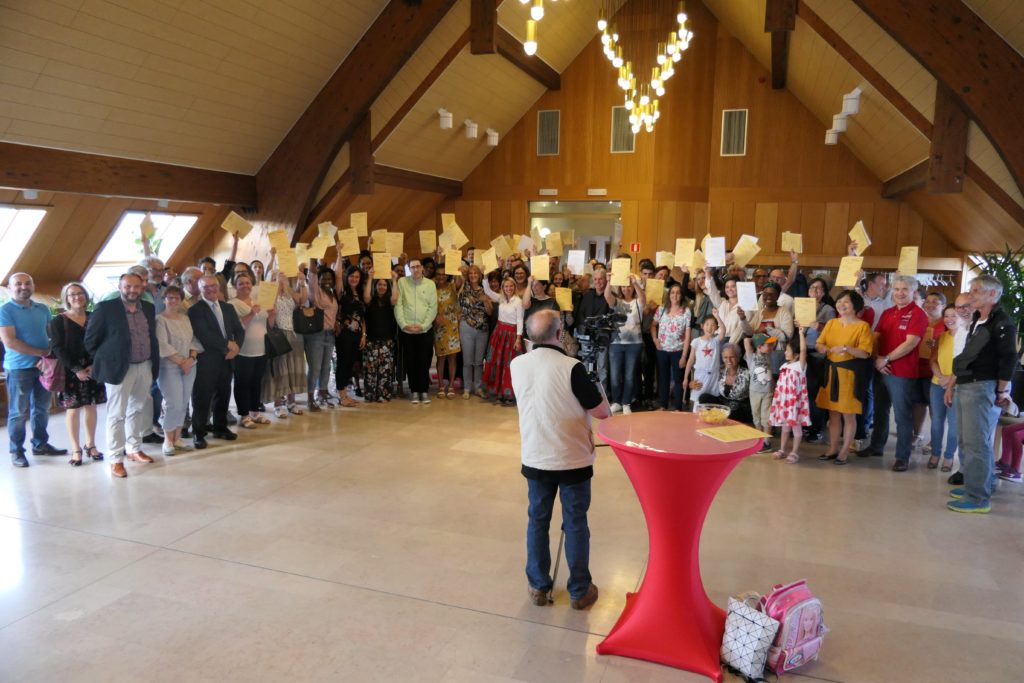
[[676, 473]]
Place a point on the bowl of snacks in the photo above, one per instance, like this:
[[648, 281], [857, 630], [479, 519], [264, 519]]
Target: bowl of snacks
[[711, 413]]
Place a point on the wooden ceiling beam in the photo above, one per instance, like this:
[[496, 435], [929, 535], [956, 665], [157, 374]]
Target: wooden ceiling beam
[[779, 20], [914, 178], [483, 27], [411, 180], [948, 156], [532, 65], [24, 167], [361, 158], [966, 55], [288, 182]]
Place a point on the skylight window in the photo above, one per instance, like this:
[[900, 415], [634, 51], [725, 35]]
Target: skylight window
[[17, 225], [124, 248]]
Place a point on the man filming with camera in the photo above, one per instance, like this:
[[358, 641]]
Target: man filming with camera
[[556, 400], [593, 305]]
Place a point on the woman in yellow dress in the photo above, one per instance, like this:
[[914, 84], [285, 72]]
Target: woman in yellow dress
[[447, 342], [847, 343]]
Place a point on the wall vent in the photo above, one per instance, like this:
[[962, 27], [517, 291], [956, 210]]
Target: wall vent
[[548, 121]]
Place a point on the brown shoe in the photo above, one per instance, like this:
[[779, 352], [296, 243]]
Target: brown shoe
[[117, 469], [139, 457], [537, 596], [588, 599], [900, 466]]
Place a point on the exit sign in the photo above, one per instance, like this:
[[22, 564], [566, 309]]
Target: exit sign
[[635, 247]]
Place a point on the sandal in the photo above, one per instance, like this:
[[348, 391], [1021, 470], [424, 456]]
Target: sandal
[[825, 457], [841, 461], [794, 458], [945, 467], [76, 459], [933, 462], [779, 455], [93, 452]]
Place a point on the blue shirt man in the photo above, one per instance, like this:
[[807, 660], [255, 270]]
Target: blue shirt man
[[23, 331]]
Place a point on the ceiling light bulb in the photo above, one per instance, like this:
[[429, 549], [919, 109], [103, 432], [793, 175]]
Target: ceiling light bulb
[[530, 46], [660, 91], [681, 13], [661, 59], [676, 56], [615, 34], [602, 23], [537, 11], [644, 99], [617, 62], [524, 2], [605, 39]]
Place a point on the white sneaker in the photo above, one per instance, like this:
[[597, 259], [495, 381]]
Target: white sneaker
[[616, 408], [180, 445], [626, 410], [167, 450], [414, 398], [425, 398]]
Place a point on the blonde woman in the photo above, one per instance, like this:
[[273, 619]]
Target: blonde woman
[[506, 340], [287, 375]]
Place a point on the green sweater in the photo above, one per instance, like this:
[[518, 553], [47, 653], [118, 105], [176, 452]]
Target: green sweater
[[417, 303]]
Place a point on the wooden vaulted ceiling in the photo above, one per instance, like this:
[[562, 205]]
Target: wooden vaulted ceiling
[[218, 84]]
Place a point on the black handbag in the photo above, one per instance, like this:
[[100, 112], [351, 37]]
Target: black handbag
[[277, 343], [308, 320]]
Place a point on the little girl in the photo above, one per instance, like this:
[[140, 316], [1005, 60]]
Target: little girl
[[1008, 466], [705, 358], [790, 406]]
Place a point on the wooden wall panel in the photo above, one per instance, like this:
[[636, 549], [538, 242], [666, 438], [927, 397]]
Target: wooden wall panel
[[812, 221], [766, 222], [837, 225]]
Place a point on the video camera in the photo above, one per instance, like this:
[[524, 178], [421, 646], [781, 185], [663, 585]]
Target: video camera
[[594, 334]]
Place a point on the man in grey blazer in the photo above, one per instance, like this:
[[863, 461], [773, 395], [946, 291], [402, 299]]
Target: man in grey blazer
[[121, 339]]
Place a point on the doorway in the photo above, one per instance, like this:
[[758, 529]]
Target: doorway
[[594, 223]]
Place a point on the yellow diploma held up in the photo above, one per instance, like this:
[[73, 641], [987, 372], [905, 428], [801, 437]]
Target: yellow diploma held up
[[452, 262], [379, 240], [745, 251], [268, 296], [348, 242], [278, 239], [328, 228], [859, 234], [685, 247], [456, 236], [428, 241], [490, 258], [358, 221], [654, 290], [697, 262], [848, 269], [446, 220], [382, 265], [665, 258], [288, 262], [540, 267], [500, 247], [806, 310], [563, 297], [792, 241], [908, 260], [554, 245], [236, 225], [620, 271]]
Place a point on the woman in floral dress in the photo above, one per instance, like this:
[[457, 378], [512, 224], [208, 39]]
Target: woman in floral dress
[[446, 329], [380, 297]]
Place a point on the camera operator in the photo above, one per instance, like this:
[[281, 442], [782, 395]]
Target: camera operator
[[593, 304], [556, 400]]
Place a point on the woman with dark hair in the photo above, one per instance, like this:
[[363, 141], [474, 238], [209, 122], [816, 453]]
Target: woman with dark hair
[[847, 343], [320, 345], [81, 393], [352, 332], [536, 298], [670, 330], [259, 272], [733, 387], [474, 313], [730, 314], [521, 275], [627, 343], [379, 296], [251, 361]]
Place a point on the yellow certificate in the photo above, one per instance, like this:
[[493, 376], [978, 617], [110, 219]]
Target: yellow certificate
[[806, 310], [452, 262], [665, 258], [500, 247], [568, 238], [236, 225], [379, 240], [428, 241], [563, 297], [348, 242], [540, 267], [381, 265], [654, 290], [287, 262], [278, 239], [792, 241], [318, 247], [553, 242], [848, 269], [446, 220], [267, 298], [745, 251], [300, 252], [859, 234], [490, 258], [538, 241], [328, 228], [478, 259], [620, 271], [456, 236], [731, 433], [358, 221], [394, 243], [697, 262], [685, 248], [908, 260]]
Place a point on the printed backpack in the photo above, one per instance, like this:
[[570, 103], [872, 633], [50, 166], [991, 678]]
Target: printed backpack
[[802, 629]]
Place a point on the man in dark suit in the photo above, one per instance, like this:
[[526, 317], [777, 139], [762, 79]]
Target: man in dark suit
[[217, 327], [121, 339]]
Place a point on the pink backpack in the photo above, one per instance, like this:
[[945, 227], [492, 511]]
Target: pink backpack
[[802, 629]]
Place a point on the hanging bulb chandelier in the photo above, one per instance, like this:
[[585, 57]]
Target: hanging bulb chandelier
[[641, 98]]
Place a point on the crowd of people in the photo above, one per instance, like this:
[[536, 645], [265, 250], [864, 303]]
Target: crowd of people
[[166, 352]]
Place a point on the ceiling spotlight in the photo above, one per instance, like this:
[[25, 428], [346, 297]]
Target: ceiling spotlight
[[839, 123], [470, 129], [831, 137], [530, 46], [30, 194], [492, 137], [446, 118], [851, 102], [537, 11]]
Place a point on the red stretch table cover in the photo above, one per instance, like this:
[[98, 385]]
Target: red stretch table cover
[[676, 473]]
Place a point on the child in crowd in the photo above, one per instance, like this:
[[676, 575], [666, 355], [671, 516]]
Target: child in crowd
[[762, 384], [791, 408], [705, 358], [1008, 467]]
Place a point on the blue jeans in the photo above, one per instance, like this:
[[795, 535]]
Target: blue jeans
[[897, 393], [319, 348], [942, 417], [623, 359], [25, 390], [668, 367], [976, 417], [575, 503]]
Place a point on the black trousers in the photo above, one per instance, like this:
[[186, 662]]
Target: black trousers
[[648, 367], [248, 383], [347, 346], [212, 386], [418, 350]]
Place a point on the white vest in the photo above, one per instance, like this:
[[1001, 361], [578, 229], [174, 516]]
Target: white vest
[[553, 426]]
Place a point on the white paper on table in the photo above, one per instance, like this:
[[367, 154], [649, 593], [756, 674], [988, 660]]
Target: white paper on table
[[714, 252], [747, 294]]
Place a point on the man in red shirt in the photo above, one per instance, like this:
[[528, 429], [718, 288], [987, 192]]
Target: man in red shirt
[[900, 330]]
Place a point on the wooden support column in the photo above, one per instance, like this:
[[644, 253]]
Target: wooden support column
[[361, 158], [948, 158], [483, 27], [533, 66], [914, 178], [966, 55], [779, 20]]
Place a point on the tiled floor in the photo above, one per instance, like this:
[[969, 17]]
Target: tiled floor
[[386, 543]]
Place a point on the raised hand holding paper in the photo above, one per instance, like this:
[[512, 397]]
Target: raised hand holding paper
[[278, 239], [288, 262], [328, 228], [745, 251], [500, 246], [428, 241], [236, 225], [859, 234], [805, 309], [654, 290], [576, 261], [267, 298], [381, 265], [848, 269], [665, 258], [746, 292], [394, 243], [620, 271], [348, 242], [379, 240], [358, 221], [554, 244], [490, 260], [714, 252], [908, 261], [685, 247], [540, 267], [452, 262], [563, 297], [792, 241], [455, 234]]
